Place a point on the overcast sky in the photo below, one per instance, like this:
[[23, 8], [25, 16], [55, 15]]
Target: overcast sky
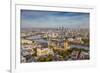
[[51, 19]]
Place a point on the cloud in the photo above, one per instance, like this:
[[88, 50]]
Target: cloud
[[31, 18]]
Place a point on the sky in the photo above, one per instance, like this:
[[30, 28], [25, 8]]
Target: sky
[[53, 19]]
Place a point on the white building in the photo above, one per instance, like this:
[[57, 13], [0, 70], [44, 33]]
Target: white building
[[44, 51], [26, 41]]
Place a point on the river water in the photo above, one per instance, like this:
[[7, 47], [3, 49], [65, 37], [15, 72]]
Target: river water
[[39, 39]]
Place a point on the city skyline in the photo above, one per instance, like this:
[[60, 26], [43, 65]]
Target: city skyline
[[45, 37], [53, 19]]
